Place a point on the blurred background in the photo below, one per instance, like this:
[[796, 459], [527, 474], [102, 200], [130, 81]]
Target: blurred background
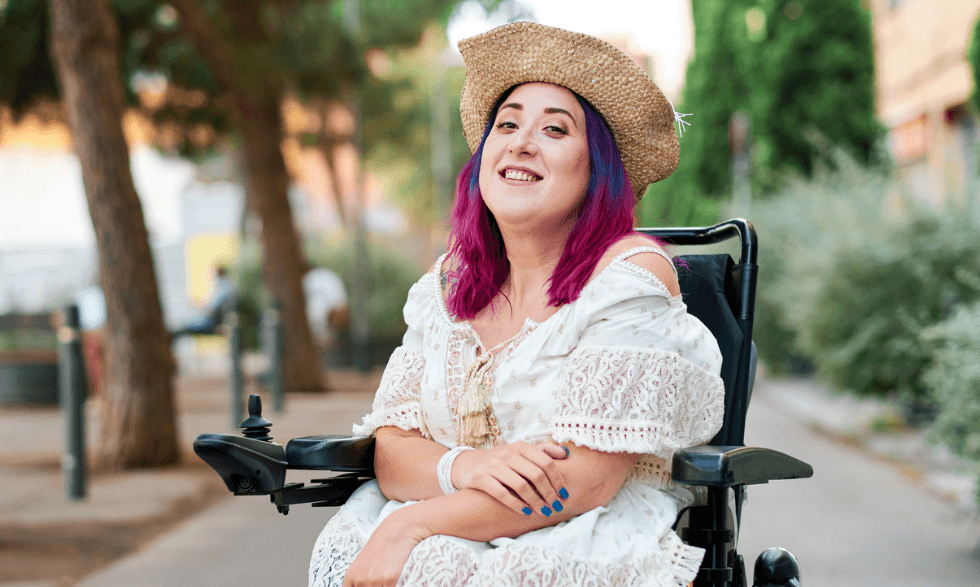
[[158, 159]]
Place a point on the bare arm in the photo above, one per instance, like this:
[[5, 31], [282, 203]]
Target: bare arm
[[518, 475], [593, 478]]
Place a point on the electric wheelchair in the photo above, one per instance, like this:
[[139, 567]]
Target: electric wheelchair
[[718, 291]]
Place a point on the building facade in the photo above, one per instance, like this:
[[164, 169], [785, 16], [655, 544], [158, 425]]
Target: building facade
[[924, 89]]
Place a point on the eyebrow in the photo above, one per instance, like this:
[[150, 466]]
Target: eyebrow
[[551, 110]]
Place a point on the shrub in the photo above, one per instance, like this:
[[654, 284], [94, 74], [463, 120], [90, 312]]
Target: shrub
[[801, 229], [953, 380], [853, 285]]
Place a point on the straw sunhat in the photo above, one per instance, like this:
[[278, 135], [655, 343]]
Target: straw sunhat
[[640, 117]]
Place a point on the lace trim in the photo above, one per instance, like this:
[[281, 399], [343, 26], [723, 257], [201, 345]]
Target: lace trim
[[523, 565], [438, 561], [397, 401], [335, 550], [651, 470], [622, 399]]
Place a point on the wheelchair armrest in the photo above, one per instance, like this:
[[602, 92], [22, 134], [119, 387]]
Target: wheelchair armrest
[[727, 466], [248, 466], [347, 454]]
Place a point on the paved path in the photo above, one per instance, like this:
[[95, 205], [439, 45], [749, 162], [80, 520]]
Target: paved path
[[859, 521], [243, 541]]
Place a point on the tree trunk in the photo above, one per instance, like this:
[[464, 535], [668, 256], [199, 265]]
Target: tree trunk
[[259, 120], [138, 417], [283, 263]]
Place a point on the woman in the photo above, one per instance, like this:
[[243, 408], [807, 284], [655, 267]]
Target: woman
[[551, 337]]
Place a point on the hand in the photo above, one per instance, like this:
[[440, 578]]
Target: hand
[[381, 561], [522, 476]]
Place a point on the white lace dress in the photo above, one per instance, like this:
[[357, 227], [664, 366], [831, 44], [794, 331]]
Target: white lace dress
[[624, 368]]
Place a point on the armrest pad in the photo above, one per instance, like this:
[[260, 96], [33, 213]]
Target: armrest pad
[[349, 454], [247, 465], [726, 466]]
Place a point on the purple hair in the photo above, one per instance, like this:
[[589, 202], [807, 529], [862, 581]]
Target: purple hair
[[605, 217]]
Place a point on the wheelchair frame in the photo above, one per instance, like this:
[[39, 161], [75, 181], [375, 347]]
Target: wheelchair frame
[[717, 291]]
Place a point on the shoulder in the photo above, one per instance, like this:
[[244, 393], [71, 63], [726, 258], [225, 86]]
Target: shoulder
[[655, 263]]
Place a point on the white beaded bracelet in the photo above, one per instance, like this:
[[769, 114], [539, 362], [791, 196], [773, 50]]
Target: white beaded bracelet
[[444, 471]]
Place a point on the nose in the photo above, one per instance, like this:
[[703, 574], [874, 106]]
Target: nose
[[523, 142]]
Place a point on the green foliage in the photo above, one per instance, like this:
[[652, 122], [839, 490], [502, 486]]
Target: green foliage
[[809, 69], [973, 55], [801, 229], [29, 340], [798, 68], [953, 379], [854, 285]]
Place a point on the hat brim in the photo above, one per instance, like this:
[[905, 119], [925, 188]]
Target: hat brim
[[638, 114]]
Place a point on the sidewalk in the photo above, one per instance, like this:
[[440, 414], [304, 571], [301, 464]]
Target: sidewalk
[[151, 528], [48, 541], [872, 426]]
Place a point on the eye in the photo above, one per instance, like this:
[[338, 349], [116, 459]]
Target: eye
[[506, 125], [552, 128]]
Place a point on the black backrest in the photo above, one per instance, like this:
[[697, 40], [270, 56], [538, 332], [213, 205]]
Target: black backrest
[[707, 287], [721, 293]]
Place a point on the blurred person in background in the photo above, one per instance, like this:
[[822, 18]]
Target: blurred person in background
[[525, 427], [223, 297], [326, 305], [91, 320]]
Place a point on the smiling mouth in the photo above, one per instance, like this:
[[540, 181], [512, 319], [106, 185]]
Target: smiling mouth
[[520, 175]]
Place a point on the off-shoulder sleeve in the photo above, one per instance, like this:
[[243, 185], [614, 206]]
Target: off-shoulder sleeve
[[643, 378], [396, 402]]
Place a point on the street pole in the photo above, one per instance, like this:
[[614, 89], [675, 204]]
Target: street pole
[[273, 342], [236, 381], [72, 391], [360, 286]]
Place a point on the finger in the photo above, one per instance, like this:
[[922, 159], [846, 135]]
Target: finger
[[499, 491], [533, 472], [555, 451], [555, 479], [520, 485]]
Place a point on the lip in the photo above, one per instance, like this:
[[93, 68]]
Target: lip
[[504, 169]]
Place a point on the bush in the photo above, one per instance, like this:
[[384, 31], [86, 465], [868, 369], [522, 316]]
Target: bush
[[865, 332], [801, 229], [853, 286], [953, 380]]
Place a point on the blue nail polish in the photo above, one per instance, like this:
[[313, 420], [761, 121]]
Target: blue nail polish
[[527, 511], [546, 511], [563, 493], [566, 451], [557, 505]]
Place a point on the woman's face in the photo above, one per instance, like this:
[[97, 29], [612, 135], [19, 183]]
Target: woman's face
[[535, 164]]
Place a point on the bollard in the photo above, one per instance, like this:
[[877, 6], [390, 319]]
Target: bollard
[[72, 392], [273, 344], [234, 326]]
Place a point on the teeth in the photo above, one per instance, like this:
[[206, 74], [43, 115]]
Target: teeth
[[519, 175]]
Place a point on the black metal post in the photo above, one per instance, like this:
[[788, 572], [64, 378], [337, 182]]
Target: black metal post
[[72, 392], [273, 334], [233, 323]]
